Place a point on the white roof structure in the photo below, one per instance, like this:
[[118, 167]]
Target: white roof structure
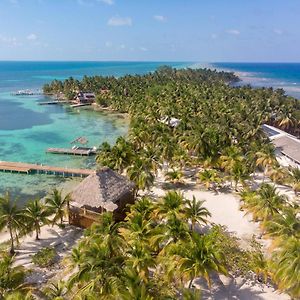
[[172, 122], [287, 146]]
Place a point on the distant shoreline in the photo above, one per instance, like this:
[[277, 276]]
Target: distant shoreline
[[264, 76]]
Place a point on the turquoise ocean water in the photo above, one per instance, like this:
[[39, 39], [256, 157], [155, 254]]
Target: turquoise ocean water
[[27, 129]]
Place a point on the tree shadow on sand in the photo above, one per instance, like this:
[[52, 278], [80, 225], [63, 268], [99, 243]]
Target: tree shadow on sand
[[230, 288]]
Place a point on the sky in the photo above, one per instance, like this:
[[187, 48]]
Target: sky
[[151, 30]]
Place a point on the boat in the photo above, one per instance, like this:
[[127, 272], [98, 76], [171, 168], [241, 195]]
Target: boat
[[26, 93]]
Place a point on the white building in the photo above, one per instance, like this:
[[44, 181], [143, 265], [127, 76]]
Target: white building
[[287, 146], [83, 97]]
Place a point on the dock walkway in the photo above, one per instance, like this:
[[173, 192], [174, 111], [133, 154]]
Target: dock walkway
[[55, 102], [77, 151], [81, 105], [25, 168]]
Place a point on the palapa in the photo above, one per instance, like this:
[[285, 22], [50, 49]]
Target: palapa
[[102, 190]]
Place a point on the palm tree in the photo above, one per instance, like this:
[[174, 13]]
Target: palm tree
[[140, 259], [172, 204], [35, 214], [21, 296], [55, 290], [266, 203], [11, 277], [197, 257], [168, 233], [141, 174], [285, 224], [189, 294], [266, 158], [97, 270], [11, 217], [278, 174], [144, 206], [106, 232], [57, 204], [136, 228], [209, 178], [174, 176], [230, 156], [134, 288], [239, 173], [117, 157], [196, 213], [295, 179], [285, 264]]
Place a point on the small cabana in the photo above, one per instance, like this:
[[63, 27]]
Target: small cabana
[[103, 191], [85, 97]]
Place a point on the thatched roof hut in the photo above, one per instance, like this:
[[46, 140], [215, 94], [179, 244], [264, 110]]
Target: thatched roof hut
[[105, 190]]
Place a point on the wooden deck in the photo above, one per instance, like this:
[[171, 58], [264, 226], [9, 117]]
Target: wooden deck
[[68, 151], [24, 168]]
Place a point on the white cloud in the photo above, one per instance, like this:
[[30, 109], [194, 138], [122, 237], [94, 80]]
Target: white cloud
[[118, 21], [32, 37], [108, 44], [108, 2], [10, 41], [278, 31], [84, 2], [233, 32], [122, 46], [14, 2], [160, 18], [144, 49]]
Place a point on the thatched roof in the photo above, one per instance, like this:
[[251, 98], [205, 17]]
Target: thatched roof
[[102, 189]]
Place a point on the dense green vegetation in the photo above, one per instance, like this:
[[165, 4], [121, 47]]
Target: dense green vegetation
[[220, 125], [164, 245], [153, 254], [280, 220], [219, 133], [44, 257], [12, 280]]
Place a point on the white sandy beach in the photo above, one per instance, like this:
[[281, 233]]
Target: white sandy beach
[[225, 210]]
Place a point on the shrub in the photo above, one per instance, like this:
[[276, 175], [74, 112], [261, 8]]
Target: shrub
[[241, 262], [44, 257]]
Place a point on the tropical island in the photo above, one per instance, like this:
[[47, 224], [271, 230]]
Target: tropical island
[[193, 136]]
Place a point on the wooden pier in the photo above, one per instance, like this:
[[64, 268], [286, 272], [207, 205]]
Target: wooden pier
[[53, 102], [81, 105], [76, 151], [25, 168]]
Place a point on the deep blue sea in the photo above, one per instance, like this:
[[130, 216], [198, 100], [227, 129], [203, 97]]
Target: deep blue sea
[[277, 75], [30, 74]]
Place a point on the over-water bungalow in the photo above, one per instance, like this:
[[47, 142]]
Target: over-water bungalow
[[103, 191]]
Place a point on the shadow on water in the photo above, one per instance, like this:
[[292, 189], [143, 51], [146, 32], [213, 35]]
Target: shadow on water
[[46, 138], [22, 118]]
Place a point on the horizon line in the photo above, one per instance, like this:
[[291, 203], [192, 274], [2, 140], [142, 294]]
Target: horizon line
[[152, 61]]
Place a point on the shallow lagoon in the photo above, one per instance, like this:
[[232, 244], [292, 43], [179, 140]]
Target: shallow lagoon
[[28, 129]]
